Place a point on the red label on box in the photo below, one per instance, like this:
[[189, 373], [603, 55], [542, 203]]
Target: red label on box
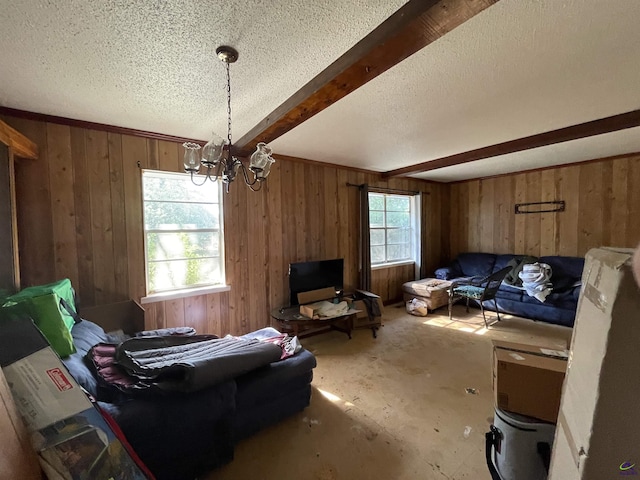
[[59, 379]]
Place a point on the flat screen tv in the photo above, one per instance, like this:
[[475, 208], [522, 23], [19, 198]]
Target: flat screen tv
[[305, 276]]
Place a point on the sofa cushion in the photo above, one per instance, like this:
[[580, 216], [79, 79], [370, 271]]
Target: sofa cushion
[[509, 292], [472, 264], [553, 300], [566, 272]]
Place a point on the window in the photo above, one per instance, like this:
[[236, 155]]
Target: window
[[183, 232], [392, 228]]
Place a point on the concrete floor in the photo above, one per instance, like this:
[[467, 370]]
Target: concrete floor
[[394, 407]]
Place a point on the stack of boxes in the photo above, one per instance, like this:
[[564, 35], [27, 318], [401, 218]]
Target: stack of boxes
[[591, 394], [527, 379]]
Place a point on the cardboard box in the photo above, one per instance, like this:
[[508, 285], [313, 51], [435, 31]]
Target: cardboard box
[[598, 430], [127, 316], [316, 295], [362, 294], [19, 460], [70, 435], [527, 379], [310, 303]]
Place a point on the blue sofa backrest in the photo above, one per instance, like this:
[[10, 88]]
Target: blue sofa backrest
[[565, 271], [471, 264], [502, 260]]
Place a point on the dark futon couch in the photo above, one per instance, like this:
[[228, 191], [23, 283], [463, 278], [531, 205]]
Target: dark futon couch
[[182, 435], [559, 306]]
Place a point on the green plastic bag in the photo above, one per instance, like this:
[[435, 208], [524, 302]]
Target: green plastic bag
[[53, 309]]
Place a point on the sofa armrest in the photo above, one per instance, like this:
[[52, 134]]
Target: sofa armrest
[[447, 273]]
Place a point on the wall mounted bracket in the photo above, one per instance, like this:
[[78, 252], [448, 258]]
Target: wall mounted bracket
[[540, 207]]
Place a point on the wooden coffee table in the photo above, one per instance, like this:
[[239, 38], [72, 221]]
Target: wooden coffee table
[[290, 320]]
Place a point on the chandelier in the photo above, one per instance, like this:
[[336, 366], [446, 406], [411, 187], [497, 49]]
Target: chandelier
[[217, 155]]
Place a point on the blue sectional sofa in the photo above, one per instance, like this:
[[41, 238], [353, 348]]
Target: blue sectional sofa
[[184, 435], [560, 305]]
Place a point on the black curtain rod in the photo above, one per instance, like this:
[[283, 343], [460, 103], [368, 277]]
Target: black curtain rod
[[386, 190]]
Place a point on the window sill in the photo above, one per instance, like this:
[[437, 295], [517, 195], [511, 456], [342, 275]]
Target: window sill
[[392, 265], [187, 292]]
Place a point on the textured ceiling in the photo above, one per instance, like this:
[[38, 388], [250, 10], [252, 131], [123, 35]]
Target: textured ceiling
[[516, 69], [151, 64]]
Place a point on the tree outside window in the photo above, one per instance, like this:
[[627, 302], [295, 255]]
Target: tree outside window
[[183, 232]]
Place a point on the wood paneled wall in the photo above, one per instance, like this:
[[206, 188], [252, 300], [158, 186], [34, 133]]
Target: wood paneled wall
[[80, 216], [602, 209], [387, 282]]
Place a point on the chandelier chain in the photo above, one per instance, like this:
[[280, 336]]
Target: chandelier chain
[[229, 108], [218, 157]]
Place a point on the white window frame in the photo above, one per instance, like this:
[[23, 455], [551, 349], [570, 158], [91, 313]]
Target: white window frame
[[199, 289], [414, 215]]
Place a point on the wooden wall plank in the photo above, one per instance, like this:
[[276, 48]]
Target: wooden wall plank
[[277, 264], [567, 189], [619, 219], [330, 233], [34, 209], [195, 313], [134, 150], [352, 267], [174, 311], [520, 221], [214, 314], [61, 181], [300, 214], [226, 313], [101, 220], [633, 204], [504, 221], [169, 156], [153, 155], [455, 217], [257, 246], [153, 316], [344, 222], [314, 212], [83, 231], [590, 211], [486, 214], [473, 208], [532, 221], [549, 220], [118, 218], [288, 228], [606, 189]]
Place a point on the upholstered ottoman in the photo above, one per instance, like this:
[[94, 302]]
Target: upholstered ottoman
[[433, 291]]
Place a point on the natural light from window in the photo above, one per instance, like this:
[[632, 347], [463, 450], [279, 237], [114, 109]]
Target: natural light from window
[[183, 232], [392, 228]]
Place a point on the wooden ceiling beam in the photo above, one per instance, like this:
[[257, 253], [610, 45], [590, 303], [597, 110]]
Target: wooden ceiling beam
[[414, 26], [574, 132]]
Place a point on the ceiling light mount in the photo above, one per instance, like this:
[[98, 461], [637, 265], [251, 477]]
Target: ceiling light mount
[[217, 155], [227, 54]]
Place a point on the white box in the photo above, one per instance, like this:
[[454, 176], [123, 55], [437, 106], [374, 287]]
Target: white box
[[598, 434]]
